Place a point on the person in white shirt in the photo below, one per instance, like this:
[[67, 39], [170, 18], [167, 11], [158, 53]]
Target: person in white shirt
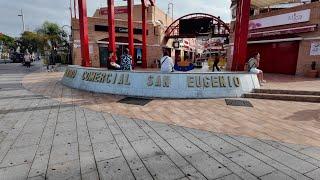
[[166, 63]]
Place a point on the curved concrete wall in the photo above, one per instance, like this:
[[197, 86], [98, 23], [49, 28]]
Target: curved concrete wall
[[157, 84]]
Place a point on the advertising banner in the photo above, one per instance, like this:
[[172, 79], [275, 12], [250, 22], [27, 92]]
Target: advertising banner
[[282, 19]]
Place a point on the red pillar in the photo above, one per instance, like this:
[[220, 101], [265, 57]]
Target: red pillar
[[241, 35], [144, 36], [130, 28], [111, 27], [83, 25]]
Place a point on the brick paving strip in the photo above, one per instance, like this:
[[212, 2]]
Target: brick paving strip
[[47, 139]]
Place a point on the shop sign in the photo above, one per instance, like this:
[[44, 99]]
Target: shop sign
[[282, 19], [315, 49], [121, 10], [103, 28]]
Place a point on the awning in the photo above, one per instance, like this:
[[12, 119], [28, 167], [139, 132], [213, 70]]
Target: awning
[[265, 3]]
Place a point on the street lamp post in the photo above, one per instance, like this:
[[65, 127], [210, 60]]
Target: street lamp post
[[22, 18]]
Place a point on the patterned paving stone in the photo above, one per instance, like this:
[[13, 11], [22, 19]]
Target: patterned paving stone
[[43, 138]]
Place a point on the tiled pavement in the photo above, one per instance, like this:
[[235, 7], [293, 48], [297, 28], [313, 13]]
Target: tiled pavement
[[291, 122], [47, 138]]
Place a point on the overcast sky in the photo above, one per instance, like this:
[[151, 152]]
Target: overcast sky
[[37, 11]]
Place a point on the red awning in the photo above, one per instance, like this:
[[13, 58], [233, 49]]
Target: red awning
[[296, 30]]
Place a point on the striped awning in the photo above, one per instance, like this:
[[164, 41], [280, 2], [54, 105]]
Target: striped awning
[[265, 3]]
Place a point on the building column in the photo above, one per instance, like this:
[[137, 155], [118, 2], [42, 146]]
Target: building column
[[111, 27], [241, 35], [144, 36], [130, 29], [83, 26]]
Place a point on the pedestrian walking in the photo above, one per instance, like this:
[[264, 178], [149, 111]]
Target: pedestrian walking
[[27, 59], [216, 62]]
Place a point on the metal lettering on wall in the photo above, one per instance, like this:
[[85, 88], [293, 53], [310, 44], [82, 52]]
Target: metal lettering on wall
[[158, 81], [212, 81], [70, 73], [161, 81], [109, 78]]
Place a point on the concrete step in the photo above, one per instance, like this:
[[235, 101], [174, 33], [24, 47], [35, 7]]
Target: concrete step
[[284, 97], [289, 92]]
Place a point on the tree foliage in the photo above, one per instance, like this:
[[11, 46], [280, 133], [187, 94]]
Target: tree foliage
[[32, 41], [7, 40], [55, 35]]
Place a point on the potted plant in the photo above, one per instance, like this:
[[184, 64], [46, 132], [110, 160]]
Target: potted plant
[[313, 73]]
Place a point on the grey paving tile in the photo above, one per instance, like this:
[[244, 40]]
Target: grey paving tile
[[63, 153], [36, 178], [134, 133], [313, 152], [276, 175], [250, 163], [101, 135], [27, 139], [64, 170], [162, 168], [183, 146], [219, 144], [87, 162], [173, 155], [65, 137], [254, 143], [230, 177], [244, 174], [14, 172], [116, 169], [90, 176], [146, 148], [198, 133], [39, 165], [315, 174], [106, 150], [18, 156], [95, 125], [290, 161], [208, 166], [294, 152], [66, 126], [166, 132], [132, 158], [271, 162]]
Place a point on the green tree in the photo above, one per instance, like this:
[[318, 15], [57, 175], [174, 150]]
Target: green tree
[[54, 34], [32, 41], [7, 40]]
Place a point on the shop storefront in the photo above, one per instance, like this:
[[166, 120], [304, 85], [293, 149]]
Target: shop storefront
[[157, 21], [287, 39]]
